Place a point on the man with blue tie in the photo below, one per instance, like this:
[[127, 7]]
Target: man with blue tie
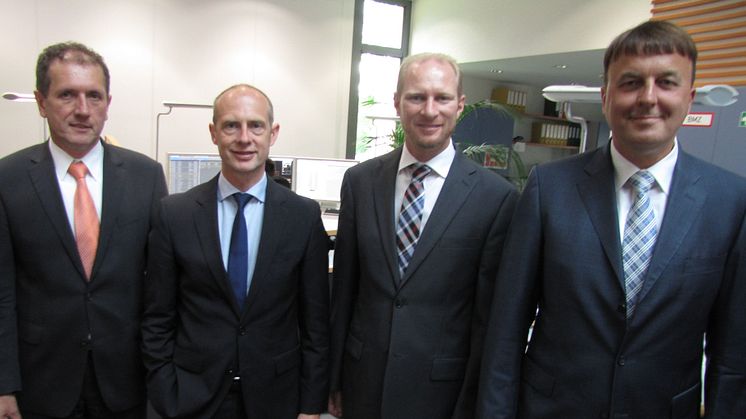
[[236, 302], [634, 255]]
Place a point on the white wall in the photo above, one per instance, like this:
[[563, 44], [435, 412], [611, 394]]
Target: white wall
[[479, 30], [297, 51]]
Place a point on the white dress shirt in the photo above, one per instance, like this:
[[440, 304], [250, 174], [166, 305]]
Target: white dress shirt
[[433, 183], [662, 171], [94, 180]]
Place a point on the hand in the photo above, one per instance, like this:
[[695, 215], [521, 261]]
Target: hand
[[305, 416], [9, 407], [335, 404]]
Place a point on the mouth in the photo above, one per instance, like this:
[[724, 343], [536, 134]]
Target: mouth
[[244, 155], [81, 127]]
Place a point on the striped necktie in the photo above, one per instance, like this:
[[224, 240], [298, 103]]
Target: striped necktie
[[410, 217], [640, 232]]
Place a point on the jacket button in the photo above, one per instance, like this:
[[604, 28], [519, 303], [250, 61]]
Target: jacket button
[[621, 361], [398, 303], [622, 308], [242, 331], [229, 372]]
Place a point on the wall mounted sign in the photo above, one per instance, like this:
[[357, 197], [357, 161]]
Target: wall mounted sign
[[699, 119]]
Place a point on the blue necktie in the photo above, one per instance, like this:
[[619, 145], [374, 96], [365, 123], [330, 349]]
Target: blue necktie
[[410, 217], [238, 256], [640, 233]]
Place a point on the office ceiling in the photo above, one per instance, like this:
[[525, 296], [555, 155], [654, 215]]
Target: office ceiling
[[580, 67]]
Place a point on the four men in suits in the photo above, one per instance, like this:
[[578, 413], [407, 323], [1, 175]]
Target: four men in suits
[[410, 311], [254, 343], [629, 283], [70, 319]]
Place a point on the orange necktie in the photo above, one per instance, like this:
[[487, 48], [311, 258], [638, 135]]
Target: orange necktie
[[86, 218]]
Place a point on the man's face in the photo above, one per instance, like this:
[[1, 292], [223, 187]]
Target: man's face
[[428, 106], [75, 106], [243, 134], [645, 100]]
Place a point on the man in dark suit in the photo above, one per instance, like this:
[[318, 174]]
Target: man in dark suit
[[70, 296], [410, 309], [227, 342], [632, 253]]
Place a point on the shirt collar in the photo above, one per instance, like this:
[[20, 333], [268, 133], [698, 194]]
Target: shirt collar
[[439, 164], [226, 189], [93, 160], [662, 171]]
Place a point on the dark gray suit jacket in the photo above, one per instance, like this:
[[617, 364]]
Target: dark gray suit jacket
[[195, 340], [413, 350], [50, 316], [585, 359]]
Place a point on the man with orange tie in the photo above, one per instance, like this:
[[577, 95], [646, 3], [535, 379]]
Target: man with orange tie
[[75, 214]]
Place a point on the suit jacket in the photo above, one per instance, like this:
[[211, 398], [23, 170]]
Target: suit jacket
[[196, 341], [585, 359], [410, 347], [50, 316]]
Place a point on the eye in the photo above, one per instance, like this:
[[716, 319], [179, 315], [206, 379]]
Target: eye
[[257, 127], [66, 94], [444, 98], [230, 127], [416, 98], [668, 83]]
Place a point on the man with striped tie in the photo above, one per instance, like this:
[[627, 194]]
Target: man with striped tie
[[633, 254], [419, 239]]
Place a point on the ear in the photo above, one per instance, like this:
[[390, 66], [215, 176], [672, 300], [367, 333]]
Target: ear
[[40, 103], [274, 133], [461, 104], [603, 99], [212, 133], [397, 103]]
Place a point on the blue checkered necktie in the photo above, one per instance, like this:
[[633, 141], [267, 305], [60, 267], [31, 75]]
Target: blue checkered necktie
[[238, 256], [640, 233], [410, 216]]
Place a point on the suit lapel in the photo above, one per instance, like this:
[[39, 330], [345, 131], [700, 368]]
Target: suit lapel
[[272, 235], [598, 194], [205, 218], [383, 199], [685, 202], [114, 187], [458, 185], [44, 181]]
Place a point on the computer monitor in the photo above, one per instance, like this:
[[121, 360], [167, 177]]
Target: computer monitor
[[186, 170], [320, 179]]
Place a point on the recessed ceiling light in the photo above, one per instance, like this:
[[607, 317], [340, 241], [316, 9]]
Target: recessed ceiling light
[[496, 70], [560, 66]]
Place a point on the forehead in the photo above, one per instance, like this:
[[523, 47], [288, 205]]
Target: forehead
[[430, 72], [64, 73], [242, 103], [654, 64]]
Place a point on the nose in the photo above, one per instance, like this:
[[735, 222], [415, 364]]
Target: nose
[[244, 136], [648, 94], [430, 109], [81, 105]]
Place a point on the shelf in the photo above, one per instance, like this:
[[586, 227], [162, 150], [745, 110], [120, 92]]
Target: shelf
[[562, 147]]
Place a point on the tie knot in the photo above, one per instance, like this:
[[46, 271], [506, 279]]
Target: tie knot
[[642, 181], [420, 172], [78, 169], [242, 199]]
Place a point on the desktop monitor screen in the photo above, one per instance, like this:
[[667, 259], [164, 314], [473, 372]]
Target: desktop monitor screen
[[320, 179]]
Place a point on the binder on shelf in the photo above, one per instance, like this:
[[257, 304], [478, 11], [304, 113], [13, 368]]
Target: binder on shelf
[[510, 97]]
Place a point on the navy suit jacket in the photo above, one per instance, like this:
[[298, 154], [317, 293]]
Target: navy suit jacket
[[411, 347], [196, 340], [50, 316], [585, 359]]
